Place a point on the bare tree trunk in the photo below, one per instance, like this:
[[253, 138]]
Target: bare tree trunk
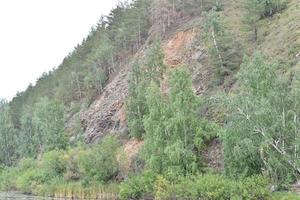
[[255, 33], [217, 47], [274, 144], [78, 86], [113, 63]]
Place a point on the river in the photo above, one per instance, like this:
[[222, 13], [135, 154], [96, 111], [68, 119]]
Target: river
[[19, 196]]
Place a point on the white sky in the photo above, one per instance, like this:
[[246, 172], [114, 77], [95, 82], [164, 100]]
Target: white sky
[[35, 36]]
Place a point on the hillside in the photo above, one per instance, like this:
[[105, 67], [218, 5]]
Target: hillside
[[192, 99]]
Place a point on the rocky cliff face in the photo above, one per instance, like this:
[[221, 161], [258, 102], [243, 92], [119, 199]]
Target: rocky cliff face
[[107, 114]]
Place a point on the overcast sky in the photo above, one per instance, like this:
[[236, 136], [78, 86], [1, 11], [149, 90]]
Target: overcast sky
[[35, 36]]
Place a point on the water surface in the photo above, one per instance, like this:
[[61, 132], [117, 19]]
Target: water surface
[[19, 196]]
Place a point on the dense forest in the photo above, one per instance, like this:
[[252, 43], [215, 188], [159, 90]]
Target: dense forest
[[234, 87]]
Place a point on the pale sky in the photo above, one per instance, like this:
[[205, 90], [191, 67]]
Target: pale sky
[[35, 36]]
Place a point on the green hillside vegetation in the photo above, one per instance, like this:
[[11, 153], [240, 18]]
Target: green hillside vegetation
[[251, 105]]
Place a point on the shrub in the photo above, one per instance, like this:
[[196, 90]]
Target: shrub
[[100, 163], [217, 187], [255, 187], [71, 158], [139, 186], [7, 178], [161, 188], [52, 164]]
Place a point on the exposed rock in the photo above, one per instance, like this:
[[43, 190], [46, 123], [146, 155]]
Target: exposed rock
[[213, 155], [102, 116], [175, 48]]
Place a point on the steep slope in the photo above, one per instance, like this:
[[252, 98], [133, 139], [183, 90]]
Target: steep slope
[[107, 114], [104, 115], [183, 46]]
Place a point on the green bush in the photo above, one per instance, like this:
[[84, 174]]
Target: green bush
[[213, 187], [162, 188], [7, 179], [255, 187], [52, 164], [138, 187], [72, 158], [100, 163], [28, 180]]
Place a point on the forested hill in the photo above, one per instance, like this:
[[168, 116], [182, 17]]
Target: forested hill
[[165, 99]]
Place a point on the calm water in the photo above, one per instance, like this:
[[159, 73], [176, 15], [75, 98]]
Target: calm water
[[18, 196]]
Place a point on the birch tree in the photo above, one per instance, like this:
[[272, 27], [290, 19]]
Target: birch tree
[[263, 127]]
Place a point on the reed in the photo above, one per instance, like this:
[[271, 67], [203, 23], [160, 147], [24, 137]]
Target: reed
[[93, 191]]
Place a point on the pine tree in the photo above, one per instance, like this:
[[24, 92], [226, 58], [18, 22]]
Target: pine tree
[[226, 53]]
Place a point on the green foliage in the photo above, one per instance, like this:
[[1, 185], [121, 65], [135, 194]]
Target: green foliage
[[100, 163], [43, 130], [136, 102], [257, 9], [174, 132], [254, 187], [261, 130], [273, 6], [8, 143], [217, 187], [161, 188], [225, 52], [139, 80], [8, 178], [58, 167], [138, 186], [254, 9], [195, 7], [204, 187], [154, 64], [285, 196], [53, 164]]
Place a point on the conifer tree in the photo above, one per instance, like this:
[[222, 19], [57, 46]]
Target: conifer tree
[[226, 53]]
